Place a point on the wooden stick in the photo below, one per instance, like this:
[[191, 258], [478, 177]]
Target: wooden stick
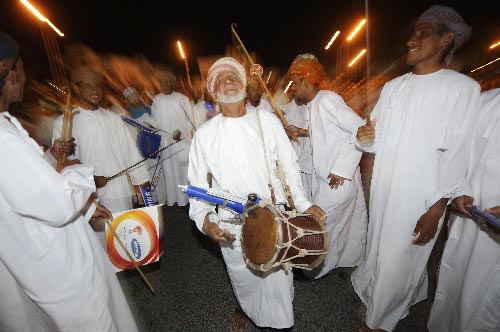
[[146, 280], [278, 111]]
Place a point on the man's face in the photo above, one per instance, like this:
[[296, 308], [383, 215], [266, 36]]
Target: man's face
[[229, 87], [299, 88], [254, 91], [90, 92], [134, 99], [426, 44]]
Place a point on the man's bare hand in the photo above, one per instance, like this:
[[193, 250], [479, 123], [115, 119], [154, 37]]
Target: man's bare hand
[[293, 133], [460, 203], [317, 213], [427, 225], [495, 211], [176, 135], [336, 181], [366, 134], [216, 233], [61, 146], [100, 181], [97, 219]]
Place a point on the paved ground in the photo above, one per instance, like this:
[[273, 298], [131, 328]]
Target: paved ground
[[193, 292]]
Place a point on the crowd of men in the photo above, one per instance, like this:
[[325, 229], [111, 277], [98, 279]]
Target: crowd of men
[[436, 141]]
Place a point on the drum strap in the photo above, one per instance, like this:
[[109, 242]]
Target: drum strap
[[273, 197]]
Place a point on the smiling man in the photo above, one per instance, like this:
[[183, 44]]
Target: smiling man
[[103, 141], [420, 132]]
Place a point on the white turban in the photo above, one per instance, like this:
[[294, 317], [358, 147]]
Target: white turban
[[223, 65], [452, 20]]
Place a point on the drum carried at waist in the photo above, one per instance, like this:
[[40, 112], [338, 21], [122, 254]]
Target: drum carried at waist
[[271, 237]]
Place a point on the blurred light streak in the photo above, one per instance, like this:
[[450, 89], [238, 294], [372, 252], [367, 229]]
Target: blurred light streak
[[332, 40], [179, 45], [269, 77], [357, 57], [495, 45], [41, 17], [489, 63], [360, 25], [288, 86]]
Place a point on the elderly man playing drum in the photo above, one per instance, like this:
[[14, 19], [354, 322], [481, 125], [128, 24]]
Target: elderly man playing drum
[[241, 149]]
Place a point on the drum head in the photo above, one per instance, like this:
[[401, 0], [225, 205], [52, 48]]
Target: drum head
[[259, 236]]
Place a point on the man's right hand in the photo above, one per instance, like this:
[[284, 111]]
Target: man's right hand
[[61, 146], [317, 213], [293, 133], [460, 203], [366, 134], [100, 181], [215, 232]]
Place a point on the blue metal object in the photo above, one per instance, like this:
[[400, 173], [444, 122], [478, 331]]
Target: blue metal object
[[148, 143], [213, 196]]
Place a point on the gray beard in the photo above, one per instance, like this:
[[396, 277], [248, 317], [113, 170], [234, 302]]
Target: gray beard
[[231, 99]]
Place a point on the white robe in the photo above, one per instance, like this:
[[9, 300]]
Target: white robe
[[55, 275], [199, 113], [332, 131], [298, 116], [263, 105], [424, 125], [232, 150], [103, 141], [171, 112], [468, 292]]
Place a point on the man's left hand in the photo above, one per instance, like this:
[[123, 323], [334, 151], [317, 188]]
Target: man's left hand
[[336, 181], [427, 225]]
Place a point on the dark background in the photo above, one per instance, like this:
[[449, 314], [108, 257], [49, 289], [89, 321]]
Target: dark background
[[276, 30]]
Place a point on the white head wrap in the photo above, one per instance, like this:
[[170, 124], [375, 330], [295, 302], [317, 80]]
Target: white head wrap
[[222, 65], [452, 20]]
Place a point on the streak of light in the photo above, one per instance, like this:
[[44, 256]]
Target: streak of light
[[360, 54], [360, 25], [489, 63], [41, 17], [332, 40], [288, 86]]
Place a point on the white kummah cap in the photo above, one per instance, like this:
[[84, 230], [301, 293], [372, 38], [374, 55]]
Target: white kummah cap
[[129, 91], [452, 20], [222, 65]]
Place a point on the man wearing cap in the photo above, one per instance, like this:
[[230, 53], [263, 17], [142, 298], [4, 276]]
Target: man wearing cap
[[240, 148], [103, 141], [420, 131], [336, 182], [54, 274], [172, 112], [136, 108], [468, 291], [254, 95]]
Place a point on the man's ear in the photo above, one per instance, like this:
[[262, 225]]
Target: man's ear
[[447, 39]]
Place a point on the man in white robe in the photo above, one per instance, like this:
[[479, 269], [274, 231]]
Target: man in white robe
[[54, 273], [468, 291], [103, 141], [336, 180], [240, 149], [255, 100], [420, 131], [172, 111], [297, 114]]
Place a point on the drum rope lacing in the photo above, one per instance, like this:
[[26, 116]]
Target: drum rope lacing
[[285, 216]]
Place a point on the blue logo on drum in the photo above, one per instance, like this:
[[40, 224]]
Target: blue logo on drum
[[136, 248]]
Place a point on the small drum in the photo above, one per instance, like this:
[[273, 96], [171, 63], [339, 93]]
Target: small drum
[[270, 237]]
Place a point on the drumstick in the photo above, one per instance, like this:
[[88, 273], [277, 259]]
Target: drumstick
[[127, 253]]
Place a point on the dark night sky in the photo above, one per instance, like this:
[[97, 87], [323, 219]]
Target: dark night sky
[[276, 30]]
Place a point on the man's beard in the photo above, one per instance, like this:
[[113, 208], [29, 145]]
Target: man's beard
[[222, 98]]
